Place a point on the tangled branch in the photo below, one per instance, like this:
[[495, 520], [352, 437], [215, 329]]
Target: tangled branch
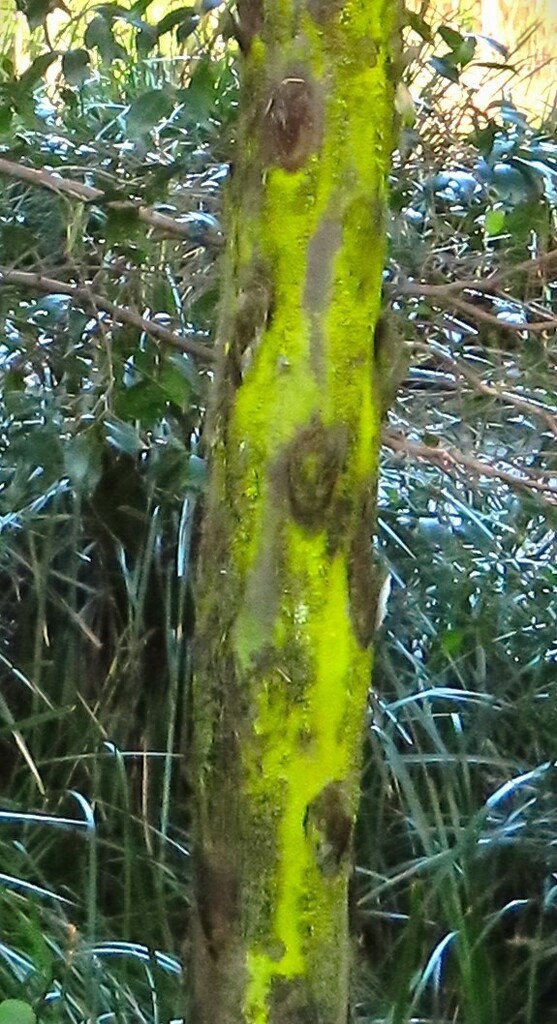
[[119, 314]]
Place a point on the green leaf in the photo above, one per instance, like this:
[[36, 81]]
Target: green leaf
[[98, 34], [124, 437], [419, 25], [139, 8], [444, 68], [465, 53], [75, 324], [82, 462], [200, 95], [494, 222], [185, 18], [70, 99], [16, 241], [147, 400], [14, 380], [15, 1011], [144, 401], [197, 473], [6, 117], [148, 109], [483, 138], [431, 440], [75, 66], [188, 369], [175, 386], [36, 71], [451, 641], [121, 223], [451, 37]]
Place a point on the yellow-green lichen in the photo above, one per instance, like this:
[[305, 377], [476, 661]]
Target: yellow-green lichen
[[332, 706], [303, 671]]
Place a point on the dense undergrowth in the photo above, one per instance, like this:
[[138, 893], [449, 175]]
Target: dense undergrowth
[[101, 474]]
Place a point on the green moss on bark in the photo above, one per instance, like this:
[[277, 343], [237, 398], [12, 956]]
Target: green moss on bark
[[286, 576]]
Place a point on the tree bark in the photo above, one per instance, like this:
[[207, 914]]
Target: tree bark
[[285, 592]]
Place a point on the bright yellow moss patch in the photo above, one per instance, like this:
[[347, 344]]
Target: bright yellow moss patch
[[332, 712]]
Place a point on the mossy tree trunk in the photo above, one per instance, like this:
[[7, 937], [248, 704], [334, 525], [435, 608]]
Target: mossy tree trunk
[[286, 583]]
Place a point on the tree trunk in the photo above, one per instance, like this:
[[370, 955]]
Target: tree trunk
[[285, 594]]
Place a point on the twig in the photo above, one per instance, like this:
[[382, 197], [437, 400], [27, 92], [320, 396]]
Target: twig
[[448, 458], [450, 294], [460, 367], [444, 296], [120, 314], [478, 284], [89, 193]]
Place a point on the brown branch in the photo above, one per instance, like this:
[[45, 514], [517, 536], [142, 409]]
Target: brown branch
[[443, 294], [460, 367], [477, 313], [89, 193], [119, 314], [448, 458], [538, 263], [469, 284]]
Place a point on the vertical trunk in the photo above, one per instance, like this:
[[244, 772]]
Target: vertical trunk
[[285, 605]]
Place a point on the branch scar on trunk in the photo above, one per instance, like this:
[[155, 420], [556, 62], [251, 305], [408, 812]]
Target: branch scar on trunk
[[292, 121]]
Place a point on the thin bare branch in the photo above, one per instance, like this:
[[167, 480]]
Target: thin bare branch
[[486, 284], [88, 193], [119, 314], [443, 295], [449, 458], [460, 368]]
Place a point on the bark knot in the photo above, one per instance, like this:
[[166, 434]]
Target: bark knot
[[331, 823], [292, 121], [314, 460]]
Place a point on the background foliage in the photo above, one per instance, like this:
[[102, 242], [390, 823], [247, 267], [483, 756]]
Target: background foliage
[[109, 282]]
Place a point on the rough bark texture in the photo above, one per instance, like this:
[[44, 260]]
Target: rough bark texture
[[285, 606]]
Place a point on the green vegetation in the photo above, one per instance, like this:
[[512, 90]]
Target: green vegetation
[[104, 297]]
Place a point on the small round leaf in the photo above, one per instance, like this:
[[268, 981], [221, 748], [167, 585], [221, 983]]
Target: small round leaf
[[15, 1011], [147, 110], [75, 65]]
